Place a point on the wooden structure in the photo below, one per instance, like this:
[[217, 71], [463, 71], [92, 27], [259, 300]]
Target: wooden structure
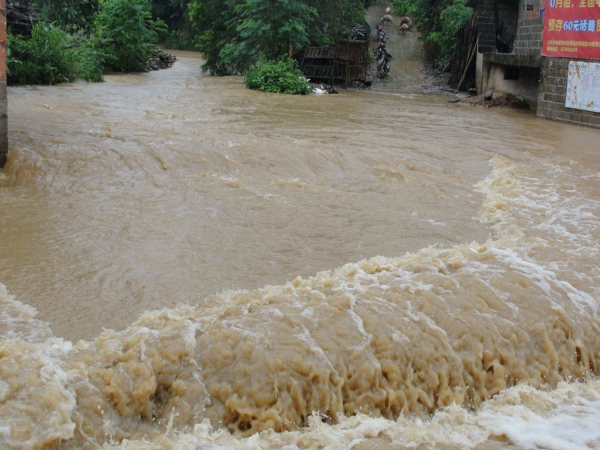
[[317, 63], [20, 18], [343, 61]]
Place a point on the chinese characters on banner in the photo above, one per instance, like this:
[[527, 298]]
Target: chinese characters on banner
[[572, 29]]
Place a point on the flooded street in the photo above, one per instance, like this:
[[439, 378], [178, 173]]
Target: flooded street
[[191, 264]]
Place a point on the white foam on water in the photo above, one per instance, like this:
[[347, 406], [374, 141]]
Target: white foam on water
[[465, 314], [565, 418]]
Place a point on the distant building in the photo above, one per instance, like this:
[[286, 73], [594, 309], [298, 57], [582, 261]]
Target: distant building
[[546, 51]]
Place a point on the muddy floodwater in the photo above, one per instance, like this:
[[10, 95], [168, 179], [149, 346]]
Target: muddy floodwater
[[185, 263]]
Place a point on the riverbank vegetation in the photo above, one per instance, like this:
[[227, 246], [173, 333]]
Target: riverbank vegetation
[[439, 22], [233, 35], [282, 77], [84, 39]]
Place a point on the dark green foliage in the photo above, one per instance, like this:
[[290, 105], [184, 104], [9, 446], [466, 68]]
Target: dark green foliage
[[283, 77], [175, 15], [125, 31], [46, 58], [273, 27], [215, 26], [88, 60], [438, 21], [232, 34], [334, 19], [121, 40], [75, 14]]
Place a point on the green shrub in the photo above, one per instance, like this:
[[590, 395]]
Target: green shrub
[[46, 58], [125, 33], [282, 77], [89, 61], [402, 7]]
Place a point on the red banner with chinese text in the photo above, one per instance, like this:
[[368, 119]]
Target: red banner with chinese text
[[572, 29]]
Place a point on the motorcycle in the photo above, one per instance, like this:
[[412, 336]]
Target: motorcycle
[[380, 32], [383, 66], [379, 49]]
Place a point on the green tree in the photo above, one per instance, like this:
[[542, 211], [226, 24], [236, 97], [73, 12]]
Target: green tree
[[175, 15], [215, 23], [273, 27], [334, 19], [451, 21], [125, 32], [233, 34]]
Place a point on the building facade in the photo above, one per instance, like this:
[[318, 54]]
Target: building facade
[[524, 50]]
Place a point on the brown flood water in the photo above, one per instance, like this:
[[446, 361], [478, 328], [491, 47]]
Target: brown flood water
[[380, 257]]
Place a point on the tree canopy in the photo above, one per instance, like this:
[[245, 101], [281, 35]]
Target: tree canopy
[[234, 34]]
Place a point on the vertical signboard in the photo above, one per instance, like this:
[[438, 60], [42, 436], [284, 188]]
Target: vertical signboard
[[572, 29], [583, 86]]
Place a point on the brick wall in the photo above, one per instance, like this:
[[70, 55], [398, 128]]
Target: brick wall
[[495, 17], [530, 27], [552, 95], [486, 23], [529, 37], [3, 98]]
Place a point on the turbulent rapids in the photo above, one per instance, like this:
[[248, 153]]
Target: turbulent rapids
[[220, 268], [382, 337]]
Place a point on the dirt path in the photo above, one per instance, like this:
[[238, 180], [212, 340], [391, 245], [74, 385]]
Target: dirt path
[[408, 73]]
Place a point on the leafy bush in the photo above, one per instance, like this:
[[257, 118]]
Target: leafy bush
[[402, 7], [46, 58], [125, 33], [88, 60], [282, 77], [121, 40]]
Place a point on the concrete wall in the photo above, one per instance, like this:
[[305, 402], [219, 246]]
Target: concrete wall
[[553, 91], [526, 86], [486, 24], [3, 98]]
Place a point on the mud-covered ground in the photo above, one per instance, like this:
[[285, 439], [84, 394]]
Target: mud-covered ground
[[411, 73], [498, 100]]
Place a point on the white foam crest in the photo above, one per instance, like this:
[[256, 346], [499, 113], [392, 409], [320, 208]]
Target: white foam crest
[[546, 280], [565, 216], [17, 320], [36, 398], [566, 418]]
